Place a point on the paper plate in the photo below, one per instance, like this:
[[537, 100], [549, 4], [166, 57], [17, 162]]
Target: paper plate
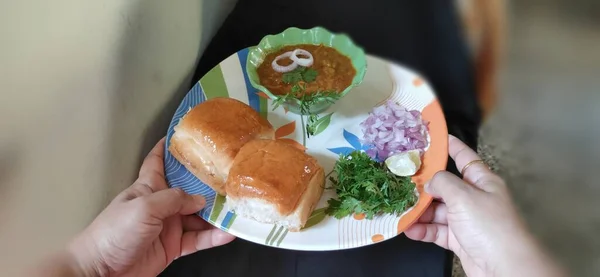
[[383, 81]]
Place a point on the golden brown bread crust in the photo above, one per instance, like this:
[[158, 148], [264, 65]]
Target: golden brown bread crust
[[225, 125], [273, 171], [202, 170], [311, 197], [208, 137]]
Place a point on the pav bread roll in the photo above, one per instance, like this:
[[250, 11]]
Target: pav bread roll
[[209, 136], [273, 182]]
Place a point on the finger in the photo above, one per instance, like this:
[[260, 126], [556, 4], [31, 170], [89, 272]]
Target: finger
[[194, 223], [166, 203], [152, 171], [436, 233], [199, 240], [138, 189], [463, 155], [448, 187], [436, 213]]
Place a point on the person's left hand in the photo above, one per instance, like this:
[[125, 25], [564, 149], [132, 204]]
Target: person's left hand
[[145, 227]]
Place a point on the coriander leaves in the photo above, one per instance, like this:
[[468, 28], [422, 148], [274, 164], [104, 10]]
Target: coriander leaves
[[298, 78], [312, 99], [309, 75], [366, 186], [301, 73]]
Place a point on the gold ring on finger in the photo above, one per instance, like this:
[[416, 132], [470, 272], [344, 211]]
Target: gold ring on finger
[[462, 172]]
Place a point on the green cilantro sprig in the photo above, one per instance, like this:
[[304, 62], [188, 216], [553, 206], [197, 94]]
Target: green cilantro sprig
[[301, 73], [299, 77], [366, 186]]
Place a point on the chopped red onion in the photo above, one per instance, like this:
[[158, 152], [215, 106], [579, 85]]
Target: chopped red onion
[[283, 69], [392, 129], [306, 62]]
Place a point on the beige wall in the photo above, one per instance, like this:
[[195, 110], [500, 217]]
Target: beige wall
[[86, 88]]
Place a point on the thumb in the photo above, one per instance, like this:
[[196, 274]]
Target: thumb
[[168, 202], [448, 187]]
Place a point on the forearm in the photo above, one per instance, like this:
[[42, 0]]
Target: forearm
[[527, 258], [59, 265], [75, 261]]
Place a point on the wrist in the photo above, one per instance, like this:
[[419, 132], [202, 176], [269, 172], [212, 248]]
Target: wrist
[[61, 264], [85, 259], [526, 258]]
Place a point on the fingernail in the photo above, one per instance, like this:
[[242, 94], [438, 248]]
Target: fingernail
[[199, 199]]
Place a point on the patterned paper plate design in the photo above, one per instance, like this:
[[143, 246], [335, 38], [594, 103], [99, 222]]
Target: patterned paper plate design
[[342, 134]]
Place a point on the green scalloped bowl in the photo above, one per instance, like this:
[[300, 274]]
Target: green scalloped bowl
[[317, 35]]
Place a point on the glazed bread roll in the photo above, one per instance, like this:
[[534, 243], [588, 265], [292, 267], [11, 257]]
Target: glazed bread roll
[[209, 136], [273, 182]]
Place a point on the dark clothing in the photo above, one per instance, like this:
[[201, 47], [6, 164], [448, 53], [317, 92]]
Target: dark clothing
[[424, 35]]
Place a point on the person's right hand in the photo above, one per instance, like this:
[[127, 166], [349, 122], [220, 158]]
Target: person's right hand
[[476, 220]]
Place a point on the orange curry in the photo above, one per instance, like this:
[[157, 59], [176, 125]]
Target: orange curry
[[334, 70]]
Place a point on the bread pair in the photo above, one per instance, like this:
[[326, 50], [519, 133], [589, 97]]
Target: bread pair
[[231, 148]]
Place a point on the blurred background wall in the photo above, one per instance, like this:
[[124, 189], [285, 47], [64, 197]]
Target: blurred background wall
[[87, 87], [545, 131]]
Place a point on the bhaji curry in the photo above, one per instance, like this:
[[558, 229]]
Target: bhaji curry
[[334, 70]]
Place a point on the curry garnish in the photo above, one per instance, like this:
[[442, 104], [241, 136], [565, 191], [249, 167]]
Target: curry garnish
[[301, 73], [298, 78], [365, 186]]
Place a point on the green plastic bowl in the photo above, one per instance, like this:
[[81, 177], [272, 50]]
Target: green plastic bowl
[[315, 36]]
